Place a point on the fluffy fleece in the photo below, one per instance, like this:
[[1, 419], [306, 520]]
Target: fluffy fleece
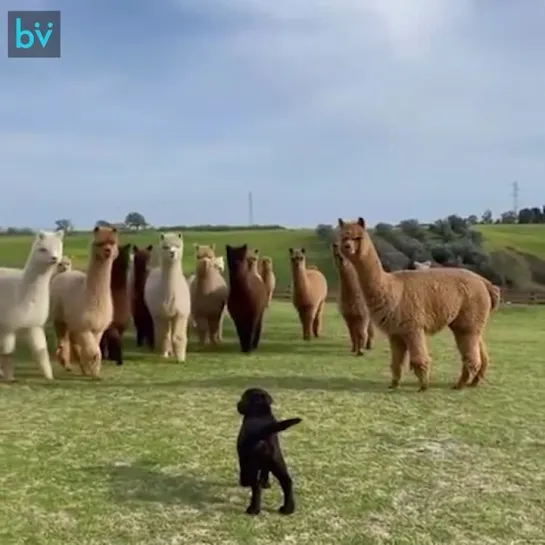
[[208, 299], [253, 261], [309, 292], [409, 305], [267, 274], [167, 296], [218, 262], [139, 271], [111, 344], [247, 299], [351, 304], [82, 307], [24, 302]]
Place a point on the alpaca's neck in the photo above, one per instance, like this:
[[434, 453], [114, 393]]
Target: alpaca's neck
[[34, 281], [253, 268], [300, 280], [99, 274], [171, 274], [139, 281]]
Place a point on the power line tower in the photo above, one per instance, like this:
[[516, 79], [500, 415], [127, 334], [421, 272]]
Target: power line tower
[[515, 197], [250, 209]]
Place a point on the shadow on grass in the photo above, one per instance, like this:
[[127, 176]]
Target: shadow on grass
[[143, 481]]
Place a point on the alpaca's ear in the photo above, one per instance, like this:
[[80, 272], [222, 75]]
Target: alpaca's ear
[[149, 248], [245, 247], [227, 247], [40, 235], [134, 248], [256, 251], [341, 222], [114, 229], [195, 246], [96, 229], [291, 251], [213, 247], [303, 251], [361, 222], [179, 235], [162, 236], [60, 234]]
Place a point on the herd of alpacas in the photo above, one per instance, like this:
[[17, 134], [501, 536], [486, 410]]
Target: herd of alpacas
[[90, 310]]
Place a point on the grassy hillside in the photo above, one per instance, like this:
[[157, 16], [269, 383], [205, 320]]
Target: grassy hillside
[[14, 249], [528, 239]]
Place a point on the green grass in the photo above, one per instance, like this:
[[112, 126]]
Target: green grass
[[524, 238], [147, 455], [14, 249]]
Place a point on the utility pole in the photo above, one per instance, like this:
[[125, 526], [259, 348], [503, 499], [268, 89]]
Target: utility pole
[[250, 209], [515, 198]]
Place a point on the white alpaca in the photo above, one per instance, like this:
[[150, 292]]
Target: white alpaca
[[24, 302], [422, 266], [166, 294], [65, 265]]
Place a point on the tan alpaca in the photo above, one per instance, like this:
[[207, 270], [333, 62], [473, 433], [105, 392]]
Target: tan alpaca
[[309, 293], [409, 305], [208, 299], [81, 304], [351, 304], [205, 250], [267, 274], [253, 261], [64, 266]]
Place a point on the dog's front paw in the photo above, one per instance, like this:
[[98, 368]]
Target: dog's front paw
[[253, 510], [265, 484], [287, 509]]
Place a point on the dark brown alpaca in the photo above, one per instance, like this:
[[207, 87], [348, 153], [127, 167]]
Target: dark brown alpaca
[[111, 343], [247, 298], [143, 322]]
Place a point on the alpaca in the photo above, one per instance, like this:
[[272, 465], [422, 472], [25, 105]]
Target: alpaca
[[267, 274], [351, 304], [253, 261], [409, 305], [111, 344], [82, 307], [24, 302], [421, 266], [247, 298], [219, 263], [205, 250], [166, 294], [208, 299], [64, 265], [308, 294], [143, 322]]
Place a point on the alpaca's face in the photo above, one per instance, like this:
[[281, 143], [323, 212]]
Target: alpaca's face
[[338, 257], [236, 256], [172, 247], [64, 265], [252, 262], [219, 263], [204, 250], [141, 258], [104, 246], [266, 264], [422, 266], [47, 249], [204, 264], [353, 237], [297, 257]]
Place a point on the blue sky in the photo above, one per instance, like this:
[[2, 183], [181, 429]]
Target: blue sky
[[389, 109]]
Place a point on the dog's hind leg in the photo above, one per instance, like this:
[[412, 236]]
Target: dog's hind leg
[[280, 471], [255, 502], [264, 480]]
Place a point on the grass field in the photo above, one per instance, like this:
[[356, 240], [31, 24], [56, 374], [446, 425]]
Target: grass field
[[14, 249], [529, 239], [147, 455]]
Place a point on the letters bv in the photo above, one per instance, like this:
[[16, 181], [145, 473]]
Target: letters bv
[[24, 39]]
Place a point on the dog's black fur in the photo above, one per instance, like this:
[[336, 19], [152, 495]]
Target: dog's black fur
[[259, 451]]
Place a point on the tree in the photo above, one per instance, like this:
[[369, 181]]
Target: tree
[[526, 215], [103, 223], [136, 220], [473, 219], [509, 217], [487, 216], [64, 225]]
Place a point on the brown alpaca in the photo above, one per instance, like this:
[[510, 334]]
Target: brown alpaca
[[81, 304], [409, 305], [352, 306], [253, 260], [111, 344], [309, 293], [208, 299], [267, 275], [205, 250], [143, 322]]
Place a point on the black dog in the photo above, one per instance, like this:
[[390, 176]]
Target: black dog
[[259, 450]]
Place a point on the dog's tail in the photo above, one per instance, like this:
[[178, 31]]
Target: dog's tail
[[269, 429]]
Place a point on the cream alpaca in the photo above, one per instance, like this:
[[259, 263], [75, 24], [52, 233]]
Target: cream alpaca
[[167, 297], [409, 305], [24, 302], [253, 261], [422, 266], [267, 274], [351, 304], [309, 293], [81, 304], [64, 266], [208, 299]]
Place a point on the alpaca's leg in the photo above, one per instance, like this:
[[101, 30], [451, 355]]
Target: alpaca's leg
[[104, 344], [221, 317], [360, 334], [162, 335], [370, 335], [202, 326], [485, 360], [318, 320], [305, 315], [419, 357], [469, 347], [62, 352], [213, 328], [38, 345], [139, 333], [398, 354], [179, 337], [7, 347], [350, 326], [91, 358], [114, 341], [256, 334]]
